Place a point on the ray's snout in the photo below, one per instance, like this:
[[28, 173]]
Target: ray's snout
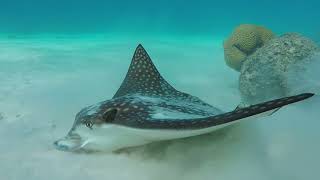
[[69, 143]]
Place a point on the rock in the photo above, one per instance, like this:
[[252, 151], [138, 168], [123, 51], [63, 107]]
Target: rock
[[244, 41], [264, 73]]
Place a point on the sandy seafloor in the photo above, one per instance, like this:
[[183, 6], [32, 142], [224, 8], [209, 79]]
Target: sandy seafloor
[[46, 79]]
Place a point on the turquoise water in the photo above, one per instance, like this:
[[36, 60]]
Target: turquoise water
[[57, 57], [157, 17]]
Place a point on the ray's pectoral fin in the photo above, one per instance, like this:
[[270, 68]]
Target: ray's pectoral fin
[[262, 109], [257, 110], [268, 113]]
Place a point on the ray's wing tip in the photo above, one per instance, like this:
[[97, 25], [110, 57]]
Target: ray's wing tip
[[306, 95], [139, 46], [139, 49], [310, 94]]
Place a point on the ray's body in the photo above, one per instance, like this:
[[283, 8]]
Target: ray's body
[[146, 108]]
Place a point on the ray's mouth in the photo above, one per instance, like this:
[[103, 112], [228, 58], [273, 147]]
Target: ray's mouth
[[71, 142]]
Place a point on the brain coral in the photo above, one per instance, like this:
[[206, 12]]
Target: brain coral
[[244, 40]]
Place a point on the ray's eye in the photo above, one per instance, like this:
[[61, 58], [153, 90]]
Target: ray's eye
[[89, 125]]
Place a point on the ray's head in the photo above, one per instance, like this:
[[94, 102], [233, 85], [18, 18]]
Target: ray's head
[[89, 129]]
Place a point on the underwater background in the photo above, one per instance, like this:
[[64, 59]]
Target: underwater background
[[57, 57]]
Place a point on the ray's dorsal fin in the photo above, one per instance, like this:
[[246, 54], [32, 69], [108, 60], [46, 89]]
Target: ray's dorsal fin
[[143, 78]]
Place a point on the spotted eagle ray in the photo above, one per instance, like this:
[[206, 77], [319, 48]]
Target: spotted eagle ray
[[146, 108]]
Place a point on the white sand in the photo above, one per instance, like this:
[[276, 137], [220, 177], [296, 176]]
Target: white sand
[[44, 81]]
